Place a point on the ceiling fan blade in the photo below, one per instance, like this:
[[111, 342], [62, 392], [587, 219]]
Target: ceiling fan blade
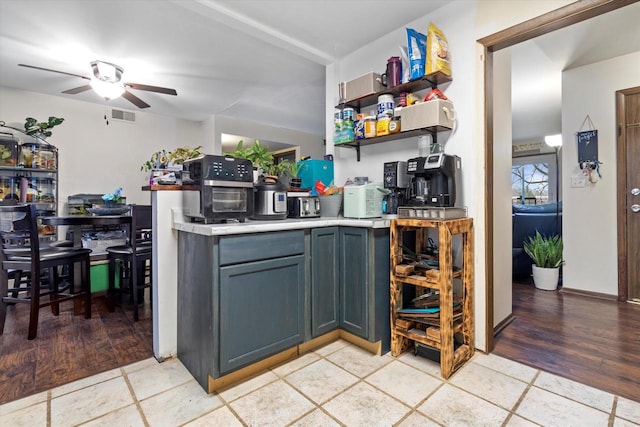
[[148, 88], [54, 71], [76, 90], [135, 100]]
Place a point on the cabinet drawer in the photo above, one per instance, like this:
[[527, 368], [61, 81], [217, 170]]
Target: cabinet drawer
[[258, 246]]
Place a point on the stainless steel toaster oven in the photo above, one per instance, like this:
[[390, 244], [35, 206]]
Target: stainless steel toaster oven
[[226, 189]]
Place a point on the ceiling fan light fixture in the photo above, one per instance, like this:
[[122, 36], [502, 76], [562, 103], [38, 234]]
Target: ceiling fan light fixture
[[106, 89], [107, 71]]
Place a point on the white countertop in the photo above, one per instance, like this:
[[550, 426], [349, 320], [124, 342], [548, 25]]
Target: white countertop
[[254, 226]]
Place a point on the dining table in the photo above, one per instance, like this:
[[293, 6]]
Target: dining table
[[76, 222]]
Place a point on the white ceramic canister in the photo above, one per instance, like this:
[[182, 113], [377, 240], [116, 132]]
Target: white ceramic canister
[[385, 106]]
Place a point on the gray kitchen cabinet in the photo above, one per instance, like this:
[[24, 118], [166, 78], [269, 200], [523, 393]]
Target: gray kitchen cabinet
[[243, 298], [240, 299], [261, 310], [325, 296], [364, 281], [354, 286]]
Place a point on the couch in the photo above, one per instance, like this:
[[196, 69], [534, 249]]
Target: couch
[[526, 219]]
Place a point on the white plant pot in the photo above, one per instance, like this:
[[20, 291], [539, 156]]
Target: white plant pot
[[545, 278]]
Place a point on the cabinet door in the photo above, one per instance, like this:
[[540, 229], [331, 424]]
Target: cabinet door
[[354, 286], [261, 310], [325, 297]]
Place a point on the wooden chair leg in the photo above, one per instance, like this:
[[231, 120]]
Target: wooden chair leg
[[112, 285], [34, 306], [86, 287], [134, 290], [54, 280], [4, 288]]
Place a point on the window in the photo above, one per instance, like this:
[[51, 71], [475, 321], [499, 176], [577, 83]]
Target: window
[[530, 183], [533, 180]]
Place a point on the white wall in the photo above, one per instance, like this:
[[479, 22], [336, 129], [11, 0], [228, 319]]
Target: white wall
[[457, 22], [463, 23], [589, 213], [95, 157]]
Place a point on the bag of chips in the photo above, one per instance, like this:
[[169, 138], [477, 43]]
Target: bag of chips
[[416, 45], [438, 55]]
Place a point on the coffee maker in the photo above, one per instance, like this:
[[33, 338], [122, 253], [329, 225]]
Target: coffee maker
[[434, 180], [396, 182]]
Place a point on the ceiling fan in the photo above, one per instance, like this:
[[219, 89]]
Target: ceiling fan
[[106, 83]]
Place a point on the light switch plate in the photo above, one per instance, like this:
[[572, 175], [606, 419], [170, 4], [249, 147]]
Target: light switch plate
[[578, 181]]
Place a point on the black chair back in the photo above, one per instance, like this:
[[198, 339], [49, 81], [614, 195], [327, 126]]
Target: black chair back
[[19, 233]]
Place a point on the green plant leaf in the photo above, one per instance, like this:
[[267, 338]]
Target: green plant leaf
[[546, 252]]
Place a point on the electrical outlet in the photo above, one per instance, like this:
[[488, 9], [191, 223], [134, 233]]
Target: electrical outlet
[[578, 181]]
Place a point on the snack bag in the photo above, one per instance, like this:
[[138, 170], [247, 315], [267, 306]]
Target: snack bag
[[438, 55], [435, 94], [416, 45]]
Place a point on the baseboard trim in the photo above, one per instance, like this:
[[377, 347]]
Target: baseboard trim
[[589, 294], [371, 347], [505, 322], [216, 384]]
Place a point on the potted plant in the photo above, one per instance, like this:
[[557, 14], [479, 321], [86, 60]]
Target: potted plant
[[41, 129], [288, 172], [546, 253], [179, 155], [257, 153], [158, 160]]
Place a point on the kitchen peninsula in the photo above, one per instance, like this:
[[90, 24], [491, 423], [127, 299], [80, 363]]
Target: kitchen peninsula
[[253, 294]]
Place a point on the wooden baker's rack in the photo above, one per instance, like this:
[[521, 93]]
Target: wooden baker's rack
[[452, 354]]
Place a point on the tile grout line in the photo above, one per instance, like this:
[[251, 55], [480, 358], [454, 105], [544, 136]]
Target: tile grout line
[[522, 396], [614, 408], [136, 402], [49, 394]]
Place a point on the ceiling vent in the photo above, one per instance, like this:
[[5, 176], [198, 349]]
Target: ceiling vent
[[124, 116]]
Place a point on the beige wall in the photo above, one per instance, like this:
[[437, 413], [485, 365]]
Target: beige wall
[[95, 157], [589, 213]]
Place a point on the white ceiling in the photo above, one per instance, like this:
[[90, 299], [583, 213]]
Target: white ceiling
[[260, 59], [537, 66], [264, 60]]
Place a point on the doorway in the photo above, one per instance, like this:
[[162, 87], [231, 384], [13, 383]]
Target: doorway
[[554, 20], [628, 157]]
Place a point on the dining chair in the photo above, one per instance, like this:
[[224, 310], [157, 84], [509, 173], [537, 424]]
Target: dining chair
[[35, 269], [121, 259]]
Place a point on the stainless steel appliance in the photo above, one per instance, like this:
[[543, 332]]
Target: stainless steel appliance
[[303, 206], [226, 189], [435, 180], [396, 183], [270, 200]]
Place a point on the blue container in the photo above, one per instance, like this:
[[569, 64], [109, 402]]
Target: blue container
[[314, 170]]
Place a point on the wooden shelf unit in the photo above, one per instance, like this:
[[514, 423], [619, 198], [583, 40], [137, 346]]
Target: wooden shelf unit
[[451, 357]]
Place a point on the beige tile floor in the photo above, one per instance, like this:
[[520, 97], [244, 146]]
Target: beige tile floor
[[336, 385]]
